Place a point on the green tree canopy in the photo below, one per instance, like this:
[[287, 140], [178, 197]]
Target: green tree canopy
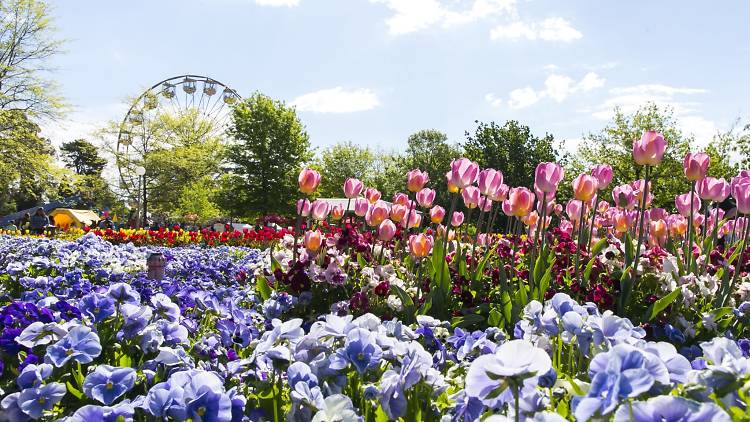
[[344, 160], [510, 148], [269, 148], [196, 201], [26, 44], [83, 157], [430, 151]]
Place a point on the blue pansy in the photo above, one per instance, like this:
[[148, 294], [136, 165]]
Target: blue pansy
[[80, 344], [670, 409], [107, 383], [360, 349], [35, 401]]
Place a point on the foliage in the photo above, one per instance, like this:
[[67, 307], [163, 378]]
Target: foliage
[[511, 148], [26, 45], [430, 151], [344, 160], [195, 203], [268, 149], [83, 157]]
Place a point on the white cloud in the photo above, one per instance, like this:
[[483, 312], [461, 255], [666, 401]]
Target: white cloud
[[557, 87], [550, 29], [337, 100], [686, 110], [277, 3], [493, 100], [416, 15], [523, 97]]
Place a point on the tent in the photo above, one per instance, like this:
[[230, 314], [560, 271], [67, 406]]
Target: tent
[[66, 217]]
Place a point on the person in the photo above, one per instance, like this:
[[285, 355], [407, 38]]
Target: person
[[39, 221], [24, 222]]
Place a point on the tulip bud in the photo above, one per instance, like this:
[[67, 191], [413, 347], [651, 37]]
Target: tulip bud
[[353, 188], [386, 230], [420, 245], [303, 207], [308, 181], [457, 219], [313, 240], [416, 179], [372, 195], [361, 205], [649, 150], [426, 197], [437, 213], [695, 165]]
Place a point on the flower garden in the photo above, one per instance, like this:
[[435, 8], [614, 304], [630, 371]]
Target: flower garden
[[596, 309]]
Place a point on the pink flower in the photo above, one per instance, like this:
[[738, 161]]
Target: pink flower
[[319, 210], [566, 227], [414, 220], [649, 150], [398, 212], [337, 212], [303, 207], [372, 195], [420, 245], [489, 181], [742, 195], [416, 179], [713, 189], [361, 205], [547, 176], [521, 201], [695, 165], [499, 194], [573, 209], [376, 214], [457, 219], [463, 173], [353, 188], [426, 197], [585, 187], [603, 174], [386, 230], [400, 198], [485, 204], [624, 196], [471, 196], [437, 213], [308, 181], [682, 202], [313, 240]]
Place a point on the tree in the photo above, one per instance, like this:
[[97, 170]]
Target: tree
[[269, 148], [26, 44], [344, 160], [196, 201], [510, 148], [430, 151], [613, 145], [26, 165], [83, 157]]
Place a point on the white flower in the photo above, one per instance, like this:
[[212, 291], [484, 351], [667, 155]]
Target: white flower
[[394, 303], [708, 322]]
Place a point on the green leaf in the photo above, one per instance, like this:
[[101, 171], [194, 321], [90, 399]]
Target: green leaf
[[380, 415], [661, 304], [467, 320], [483, 263], [361, 261], [595, 251], [261, 286], [274, 264], [126, 361], [74, 391], [544, 284], [495, 318]]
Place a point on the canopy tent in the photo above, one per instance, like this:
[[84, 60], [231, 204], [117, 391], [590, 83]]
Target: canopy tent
[[66, 217]]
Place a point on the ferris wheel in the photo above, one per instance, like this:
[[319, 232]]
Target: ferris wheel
[[205, 98]]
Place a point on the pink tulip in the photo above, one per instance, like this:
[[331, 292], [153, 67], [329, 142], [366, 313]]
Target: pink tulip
[[549, 207], [489, 181], [308, 181], [463, 173], [376, 214], [337, 212], [656, 214], [585, 187], [372, 195], [386, 230], [426, 197], [499, 194], [361, 205], [573, 209], [319, 210], [682, 202], [558, 209], [420, 245], [547, 176], [602, 207], [437, 213], [742, 195], [507, 209], [353, 188], [313, 240], [624, 196], [485, 204], [566, 227], [471, 196], [695, 165], [400, 198], [398, 212], [649, 150], [457, 219], [521, 201], [416, 179], [603, 174], [303, 207], [712, 189], [415, 220]]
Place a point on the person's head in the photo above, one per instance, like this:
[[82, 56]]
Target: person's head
[[40, 211], [26, 216]]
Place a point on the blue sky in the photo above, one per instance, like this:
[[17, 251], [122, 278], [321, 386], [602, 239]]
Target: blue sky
[[374, 71]]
